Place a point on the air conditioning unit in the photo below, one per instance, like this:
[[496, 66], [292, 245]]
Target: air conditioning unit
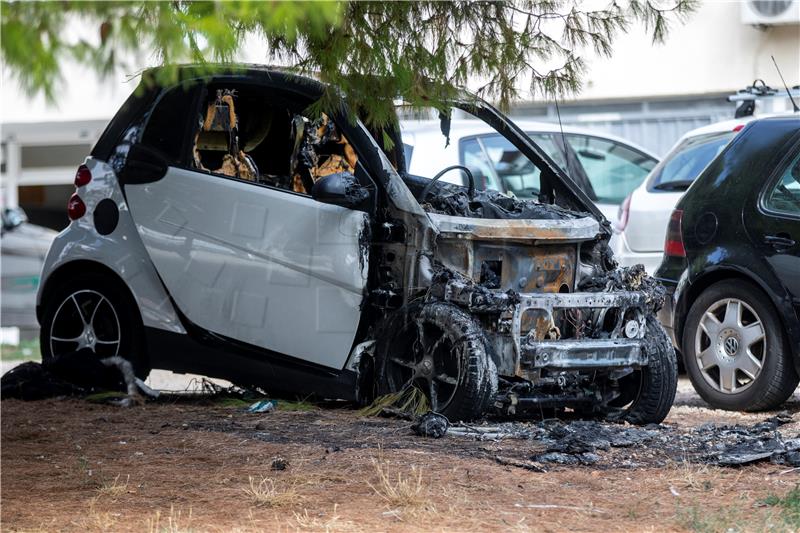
[[770, 12]]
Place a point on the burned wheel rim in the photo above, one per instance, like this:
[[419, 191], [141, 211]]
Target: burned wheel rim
[[424, 356], [730, 346], [85, 319]]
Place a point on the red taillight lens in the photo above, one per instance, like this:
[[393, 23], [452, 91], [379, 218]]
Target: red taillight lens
[[739, 127], [75, 207], [623, 213], [673, 244], [82, 176]]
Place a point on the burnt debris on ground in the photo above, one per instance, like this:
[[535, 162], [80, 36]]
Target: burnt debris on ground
[[584, 442], [532, 445], [78, 373]]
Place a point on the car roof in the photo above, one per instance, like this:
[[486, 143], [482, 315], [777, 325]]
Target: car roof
[[729, 125], [469, 127]]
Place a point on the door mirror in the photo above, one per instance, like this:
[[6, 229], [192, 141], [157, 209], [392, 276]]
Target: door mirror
[[340, 189], [143, 165], [13, 218]]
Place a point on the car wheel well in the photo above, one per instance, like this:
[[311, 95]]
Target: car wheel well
[[704, 282], [84, 267]]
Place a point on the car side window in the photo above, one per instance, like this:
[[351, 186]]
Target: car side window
[[516, 173], [262, 136], [784, 197], [167, 126], [613, 169], [474, 158]]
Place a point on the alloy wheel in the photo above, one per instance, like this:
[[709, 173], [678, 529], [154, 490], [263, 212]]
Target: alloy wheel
[[730, 345], [85, 319]]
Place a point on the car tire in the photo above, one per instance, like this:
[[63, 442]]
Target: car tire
[[648, 393], [441, 350], [93, 311], [772, 383]]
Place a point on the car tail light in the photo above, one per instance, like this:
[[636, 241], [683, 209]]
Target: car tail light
[[83, 176], [623, 213], [75, 207], [739, 127], [673, 244]]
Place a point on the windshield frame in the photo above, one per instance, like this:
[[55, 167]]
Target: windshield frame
[[556, 186]]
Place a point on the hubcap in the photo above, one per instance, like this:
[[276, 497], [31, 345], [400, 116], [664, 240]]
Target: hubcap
[[731, 346], [85, 319]]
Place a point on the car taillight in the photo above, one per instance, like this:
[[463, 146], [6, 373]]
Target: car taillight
[[75, 207], [739, 127], [83, 176], [673, 244], [623, 213]]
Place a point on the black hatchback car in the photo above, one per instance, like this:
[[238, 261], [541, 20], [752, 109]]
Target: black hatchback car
[[732, 270]]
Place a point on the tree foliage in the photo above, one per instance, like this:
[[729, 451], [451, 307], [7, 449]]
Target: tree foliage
[[423, 52]]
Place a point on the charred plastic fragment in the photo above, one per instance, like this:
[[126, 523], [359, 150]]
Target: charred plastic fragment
[[431, 425]]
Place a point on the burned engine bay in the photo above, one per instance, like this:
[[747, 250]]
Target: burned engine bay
[[562, 324]]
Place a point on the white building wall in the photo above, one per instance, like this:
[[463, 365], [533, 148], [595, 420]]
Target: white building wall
[[714, 52]]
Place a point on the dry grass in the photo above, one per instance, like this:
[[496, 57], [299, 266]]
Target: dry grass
[[114, 488], [264, 493], [95, 520], [691, 477], [174, 522], [400, 490], [334, 522]]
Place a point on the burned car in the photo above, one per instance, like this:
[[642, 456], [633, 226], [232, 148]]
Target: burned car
[[218, 227]]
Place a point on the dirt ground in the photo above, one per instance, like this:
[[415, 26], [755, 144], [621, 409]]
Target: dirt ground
[[71, 465]]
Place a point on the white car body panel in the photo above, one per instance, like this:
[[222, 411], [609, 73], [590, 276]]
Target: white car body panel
[[648, 219], [263, 266], [642, 240], [122, 251]]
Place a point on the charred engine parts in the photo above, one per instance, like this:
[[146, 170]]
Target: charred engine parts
[[563, 326]]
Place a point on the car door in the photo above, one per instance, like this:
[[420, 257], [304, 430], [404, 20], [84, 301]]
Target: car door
[[773, 222], [259, 264]]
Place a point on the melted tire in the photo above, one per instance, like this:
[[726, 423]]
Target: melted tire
[[654, 391], [477, 383]]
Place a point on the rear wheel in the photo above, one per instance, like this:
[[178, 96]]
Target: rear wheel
[[441, 350], [92, 312], [736, 352]]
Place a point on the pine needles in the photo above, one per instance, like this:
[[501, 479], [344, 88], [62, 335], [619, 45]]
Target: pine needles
[[409, 401]]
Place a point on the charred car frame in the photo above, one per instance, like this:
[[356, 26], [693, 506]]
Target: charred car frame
[[295, 253]]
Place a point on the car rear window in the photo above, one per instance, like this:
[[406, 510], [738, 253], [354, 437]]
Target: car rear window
[[687, 160]]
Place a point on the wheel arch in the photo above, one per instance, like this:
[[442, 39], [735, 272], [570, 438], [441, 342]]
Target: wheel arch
[[709, 278], [84, 267]]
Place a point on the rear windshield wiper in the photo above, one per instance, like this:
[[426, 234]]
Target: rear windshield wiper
[[677, 185]]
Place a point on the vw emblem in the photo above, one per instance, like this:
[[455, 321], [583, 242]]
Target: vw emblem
[[731, 345]]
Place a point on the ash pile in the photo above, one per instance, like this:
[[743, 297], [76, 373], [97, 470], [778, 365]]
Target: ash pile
[[612, 445]]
